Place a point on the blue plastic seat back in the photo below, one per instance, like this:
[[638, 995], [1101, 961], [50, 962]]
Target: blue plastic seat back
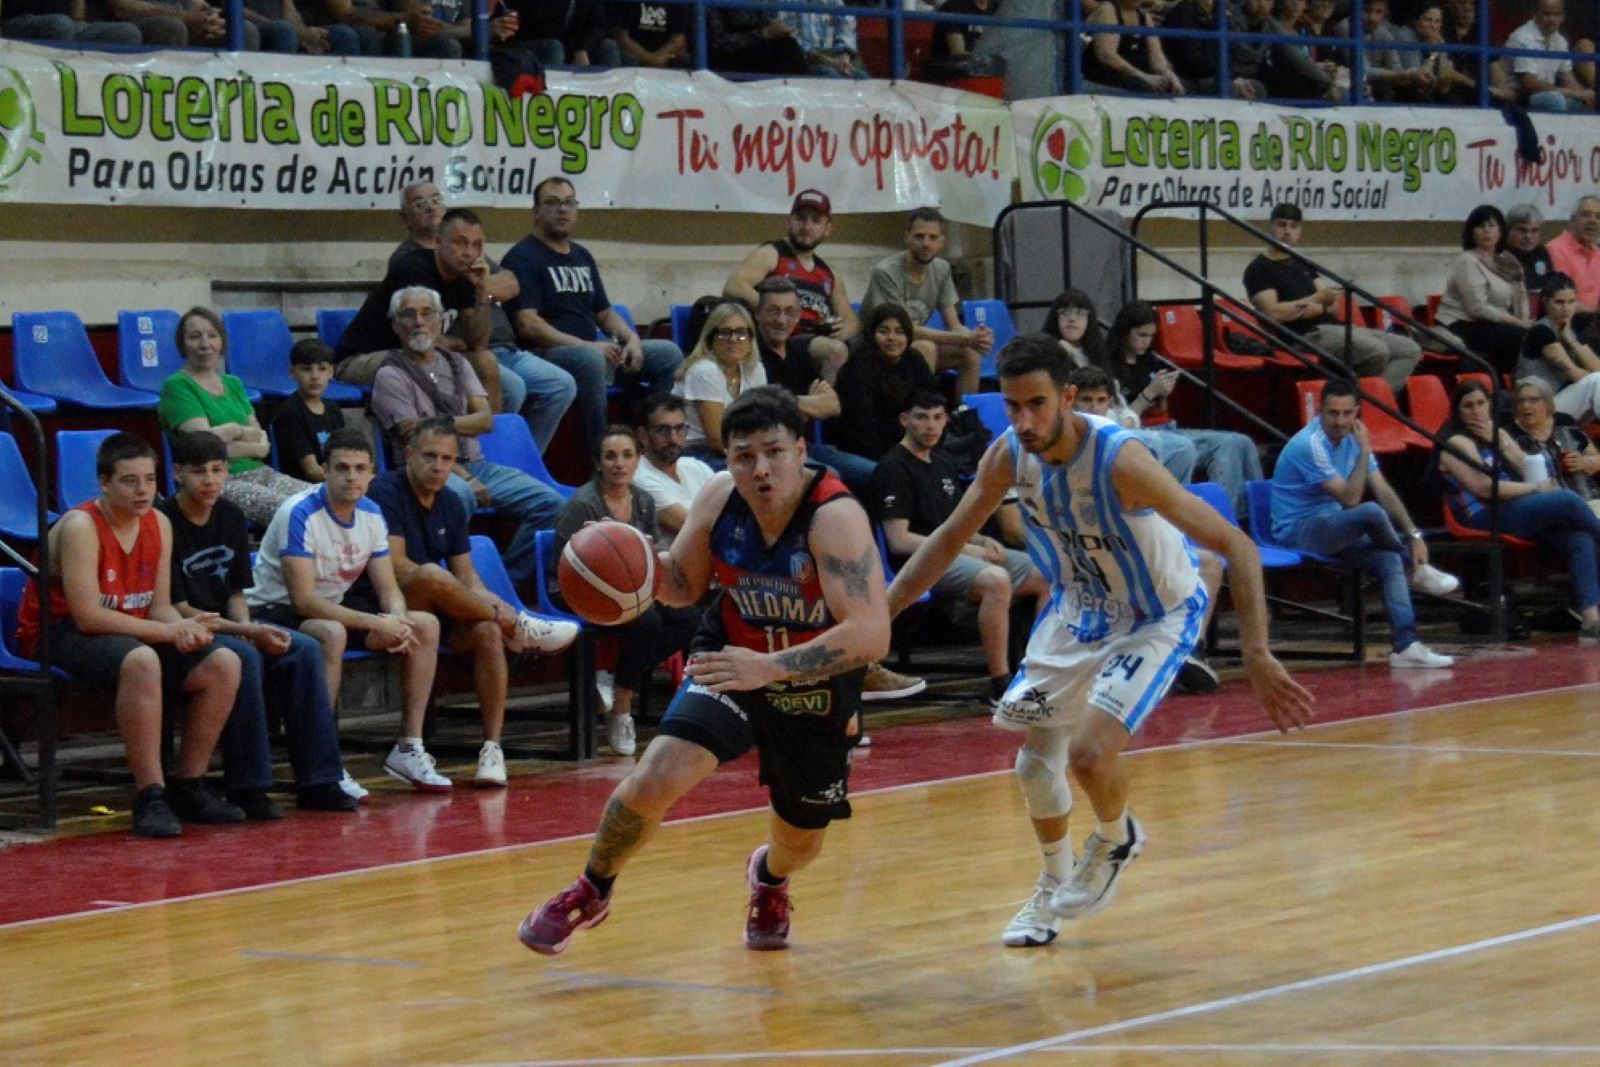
[[936, 320], [510, 444], [486, 560], [147, 348], [76, 480], [12, 582], [544, 549], [19, 498], [332, 323], [53, 357], [991, 409], [258, 350], [34, 402], [1215, 495], [681, 314]]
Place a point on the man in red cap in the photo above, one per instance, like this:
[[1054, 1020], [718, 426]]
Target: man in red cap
[[825, 312]]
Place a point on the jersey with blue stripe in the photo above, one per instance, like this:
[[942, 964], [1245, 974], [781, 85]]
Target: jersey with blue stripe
[[1110, 568]]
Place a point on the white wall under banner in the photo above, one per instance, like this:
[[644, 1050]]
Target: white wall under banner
[[1349, 164], [192, 129]]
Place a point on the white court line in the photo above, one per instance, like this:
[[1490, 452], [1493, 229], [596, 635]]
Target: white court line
[[492, 850], [1278, 990], [1443, 750], [1469, 1050], [765, 1056]]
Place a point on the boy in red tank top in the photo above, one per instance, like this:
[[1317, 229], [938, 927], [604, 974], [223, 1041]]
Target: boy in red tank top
[[114, 628]]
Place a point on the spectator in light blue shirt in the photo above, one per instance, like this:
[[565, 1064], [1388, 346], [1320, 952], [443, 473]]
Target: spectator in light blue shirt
[[1318, 489], [829, 41]]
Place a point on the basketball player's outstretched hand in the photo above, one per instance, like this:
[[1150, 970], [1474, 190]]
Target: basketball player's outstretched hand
[[1287, 702]]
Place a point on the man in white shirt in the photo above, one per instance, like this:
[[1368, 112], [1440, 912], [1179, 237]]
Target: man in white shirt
[[316, 547], [1547, 84], [671, 478]]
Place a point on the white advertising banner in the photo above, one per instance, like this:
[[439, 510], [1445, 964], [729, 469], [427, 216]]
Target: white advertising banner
[[191, 129], [1351, 163]]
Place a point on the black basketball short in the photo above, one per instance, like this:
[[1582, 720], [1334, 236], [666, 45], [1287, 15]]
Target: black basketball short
[[797, 730]]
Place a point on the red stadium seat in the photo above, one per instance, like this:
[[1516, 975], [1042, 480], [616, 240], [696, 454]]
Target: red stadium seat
[[1181, 337]]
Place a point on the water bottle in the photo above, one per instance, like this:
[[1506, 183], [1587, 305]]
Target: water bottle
[[1535, 469], [402, 38]]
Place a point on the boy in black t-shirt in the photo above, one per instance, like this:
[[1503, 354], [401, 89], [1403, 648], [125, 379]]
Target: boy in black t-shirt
[[914, 489], [210, 572], [301, 428]]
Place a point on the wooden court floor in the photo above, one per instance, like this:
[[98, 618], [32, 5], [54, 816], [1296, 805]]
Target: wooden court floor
[[1418, 887]]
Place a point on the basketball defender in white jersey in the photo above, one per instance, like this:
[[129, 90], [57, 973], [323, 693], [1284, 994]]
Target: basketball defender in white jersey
[[1115, 534]]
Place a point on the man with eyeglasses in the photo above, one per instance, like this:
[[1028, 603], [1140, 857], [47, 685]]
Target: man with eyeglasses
[[671, 478], [786, 357], [456, 270], [563, 311], [538, 390]]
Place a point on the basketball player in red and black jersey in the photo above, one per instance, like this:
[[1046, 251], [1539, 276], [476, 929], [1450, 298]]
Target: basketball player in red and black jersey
[[777, 665], [825, 311]]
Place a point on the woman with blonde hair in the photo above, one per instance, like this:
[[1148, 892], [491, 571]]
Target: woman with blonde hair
[[724, 363]]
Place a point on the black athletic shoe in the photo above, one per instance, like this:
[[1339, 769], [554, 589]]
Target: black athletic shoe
[[256, 804], [1196, 675], [192, 802], [326, 797], [152, 815]]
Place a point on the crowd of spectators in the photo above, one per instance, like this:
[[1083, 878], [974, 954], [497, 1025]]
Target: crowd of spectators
[[1397, 64]]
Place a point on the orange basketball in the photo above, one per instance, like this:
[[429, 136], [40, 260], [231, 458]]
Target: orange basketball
[[608, 573]]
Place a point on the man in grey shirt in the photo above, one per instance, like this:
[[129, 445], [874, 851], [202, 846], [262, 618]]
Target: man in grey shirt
[[919, 281]]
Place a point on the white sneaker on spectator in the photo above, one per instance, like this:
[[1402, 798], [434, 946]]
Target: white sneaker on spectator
[[491, 765], [620, 734], [1430, 579], [1417, 654], [415, 766], [351, 787], [605, 685], [541, 635]]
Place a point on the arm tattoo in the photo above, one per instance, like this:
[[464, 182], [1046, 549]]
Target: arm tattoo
[[621, 833], [853, 574], [812, 661], [675, 572]]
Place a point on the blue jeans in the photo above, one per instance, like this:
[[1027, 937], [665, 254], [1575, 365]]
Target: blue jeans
[[1229, 459], [65, 28], [1562, 522], [1363, 534], [588, 368], [538, 389], [525, 498], [855, 471], [1173, 451], [294, 685], [1552, 102]]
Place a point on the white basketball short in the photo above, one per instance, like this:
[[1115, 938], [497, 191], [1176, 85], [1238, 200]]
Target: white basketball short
[[1124, 675]]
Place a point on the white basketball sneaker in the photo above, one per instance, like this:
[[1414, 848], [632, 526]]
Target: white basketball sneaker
[[1430, 579], [1094, 876], [539, 634], [415, 766], [491, 765], [1035, 925], [1417, 654]]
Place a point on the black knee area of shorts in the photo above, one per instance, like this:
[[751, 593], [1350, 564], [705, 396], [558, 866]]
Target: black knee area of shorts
[[808, 816], [698, 734], [710, 720]]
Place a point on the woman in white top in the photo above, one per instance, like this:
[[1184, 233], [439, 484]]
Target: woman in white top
[[723, 364], [1485, 301]]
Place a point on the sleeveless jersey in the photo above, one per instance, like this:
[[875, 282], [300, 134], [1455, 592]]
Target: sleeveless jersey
[[771, 596], [127, 579], [814, 282], [1110, 569]]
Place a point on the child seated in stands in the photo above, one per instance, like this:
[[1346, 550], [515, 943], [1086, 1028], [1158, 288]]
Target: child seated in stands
[[301, 429]]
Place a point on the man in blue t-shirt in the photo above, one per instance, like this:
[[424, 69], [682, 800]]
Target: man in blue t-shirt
[[562, 309], [432, 555], [1318, 489]]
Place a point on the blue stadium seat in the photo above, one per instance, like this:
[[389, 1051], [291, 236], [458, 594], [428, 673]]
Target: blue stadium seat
[[76, 480], [54, 357], [332, 322], [995, 315], [991, 409], [147, 350], [1258, 497], [936, 320], [12, 582], [19, 499], [1272, 556], [510, 444], [681, 313], [581, 696], [258, 354], [39, 405], [486, 560]]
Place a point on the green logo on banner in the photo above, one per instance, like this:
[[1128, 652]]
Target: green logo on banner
[[19, 127], [1061, 148]]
